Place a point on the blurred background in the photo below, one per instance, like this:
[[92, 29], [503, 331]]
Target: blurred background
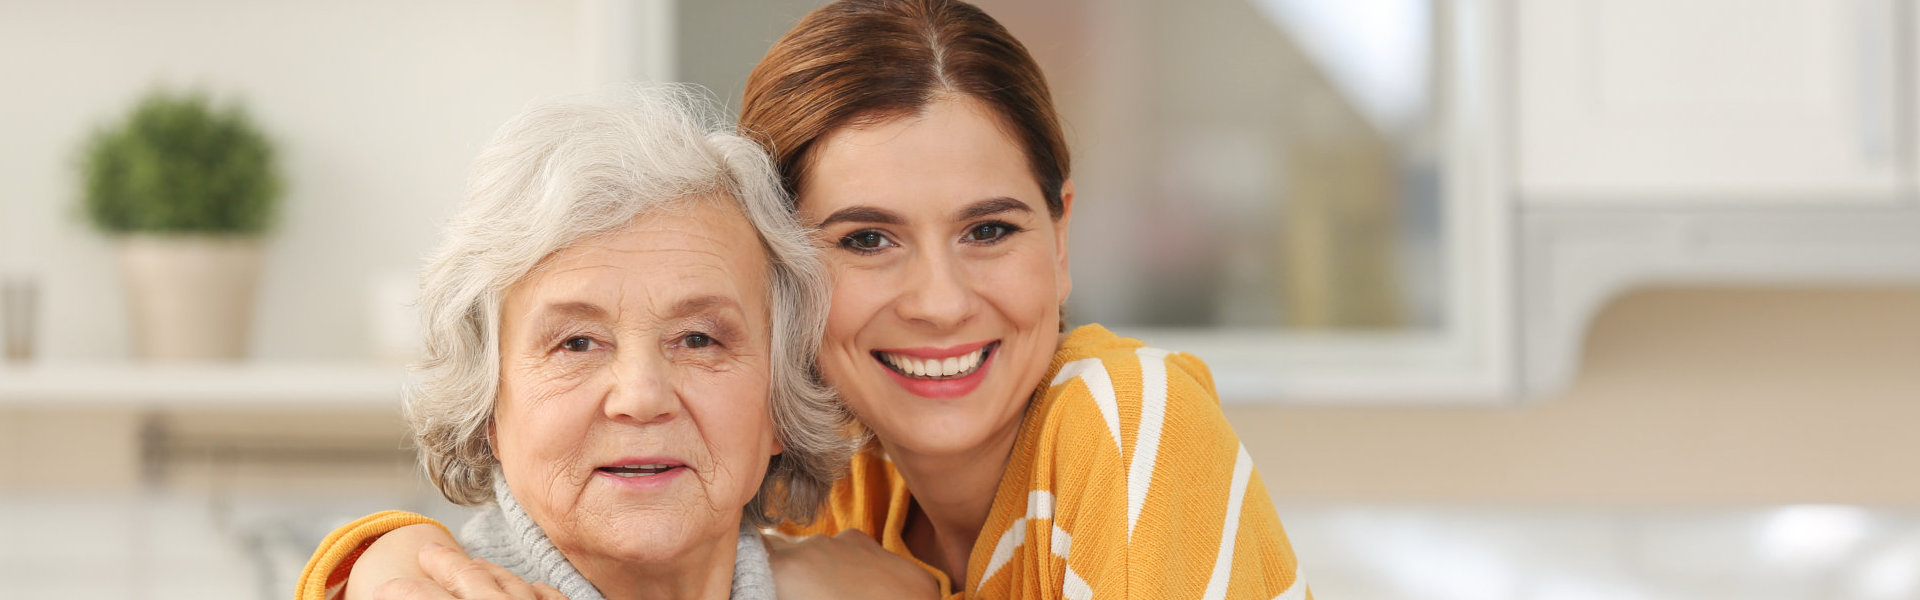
[[1509, 299]]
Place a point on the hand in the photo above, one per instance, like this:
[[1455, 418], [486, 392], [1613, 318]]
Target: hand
[[847, 565], [455, 575]]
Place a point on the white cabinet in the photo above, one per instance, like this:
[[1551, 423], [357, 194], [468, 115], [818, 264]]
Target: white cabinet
[[1707, 101], [1599, 146], [1706, 142]]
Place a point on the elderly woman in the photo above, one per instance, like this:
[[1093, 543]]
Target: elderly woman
[[619, 328]]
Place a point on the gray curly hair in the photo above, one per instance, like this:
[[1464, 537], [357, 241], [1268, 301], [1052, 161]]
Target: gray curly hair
[[566, 172]]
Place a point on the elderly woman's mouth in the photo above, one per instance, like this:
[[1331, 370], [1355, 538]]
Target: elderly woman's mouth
[[642, 468]]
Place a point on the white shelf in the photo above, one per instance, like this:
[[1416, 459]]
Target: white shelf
[[1413, 368], [251, 385]]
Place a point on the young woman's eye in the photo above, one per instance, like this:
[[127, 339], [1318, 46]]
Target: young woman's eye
[[696, 340], [578, 343], [990, 232], [865, 240]]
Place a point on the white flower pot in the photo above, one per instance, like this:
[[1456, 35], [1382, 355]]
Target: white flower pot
[[190, 297]]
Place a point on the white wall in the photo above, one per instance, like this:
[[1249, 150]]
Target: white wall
[[377, 108]]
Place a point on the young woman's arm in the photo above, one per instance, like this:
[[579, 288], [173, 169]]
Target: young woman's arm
[[374, 548], [394, 556], [849, 564]]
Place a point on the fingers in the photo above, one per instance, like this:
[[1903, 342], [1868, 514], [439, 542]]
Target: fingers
[[543, 591], [438, 558], [461, 575], [514, 587], [464, 577]]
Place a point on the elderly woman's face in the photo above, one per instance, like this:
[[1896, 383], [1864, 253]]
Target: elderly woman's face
[[633, 420]]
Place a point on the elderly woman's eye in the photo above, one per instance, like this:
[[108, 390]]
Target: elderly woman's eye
[[866, 240], [697, 340], [578, 343]]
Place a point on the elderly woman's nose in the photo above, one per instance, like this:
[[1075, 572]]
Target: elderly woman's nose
[[642, 390], [937, 293]]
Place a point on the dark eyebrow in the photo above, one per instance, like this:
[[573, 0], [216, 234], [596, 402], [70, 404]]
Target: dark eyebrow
[[863, 214], [881, 216], [992, 206]]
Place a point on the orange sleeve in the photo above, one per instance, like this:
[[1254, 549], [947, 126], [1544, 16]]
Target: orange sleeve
[[326, 573], [1195, 368], [1152, 493], [1206, 525]]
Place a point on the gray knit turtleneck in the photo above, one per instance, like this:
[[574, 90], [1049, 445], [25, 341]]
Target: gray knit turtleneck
[[505, 535]]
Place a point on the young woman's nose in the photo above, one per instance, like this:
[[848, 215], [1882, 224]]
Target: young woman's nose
[[936, 293], [643, 390]]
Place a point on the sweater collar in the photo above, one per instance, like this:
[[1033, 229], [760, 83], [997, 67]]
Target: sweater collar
[[528, 548]]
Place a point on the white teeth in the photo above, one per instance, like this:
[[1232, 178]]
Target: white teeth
[[637, 470], [936, 367]]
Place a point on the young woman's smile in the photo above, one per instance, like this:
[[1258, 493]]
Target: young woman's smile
[[948, 275], [939, 372]]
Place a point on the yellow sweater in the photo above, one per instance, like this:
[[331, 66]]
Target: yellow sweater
[[1125, 482]]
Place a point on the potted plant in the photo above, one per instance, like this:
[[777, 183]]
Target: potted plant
[[188, 189]]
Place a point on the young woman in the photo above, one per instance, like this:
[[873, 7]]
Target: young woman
[[920, 137], [1008, 458]]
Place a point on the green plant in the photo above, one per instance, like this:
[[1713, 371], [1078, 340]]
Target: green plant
[[179, 165]]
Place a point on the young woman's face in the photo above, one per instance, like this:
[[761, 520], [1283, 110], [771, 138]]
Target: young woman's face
[[948, 275]]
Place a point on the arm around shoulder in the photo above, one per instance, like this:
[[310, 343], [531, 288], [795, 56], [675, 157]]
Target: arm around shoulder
[[367, 545], [395, 555]]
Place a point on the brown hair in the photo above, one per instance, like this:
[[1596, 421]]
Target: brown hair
[[855, 62]]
